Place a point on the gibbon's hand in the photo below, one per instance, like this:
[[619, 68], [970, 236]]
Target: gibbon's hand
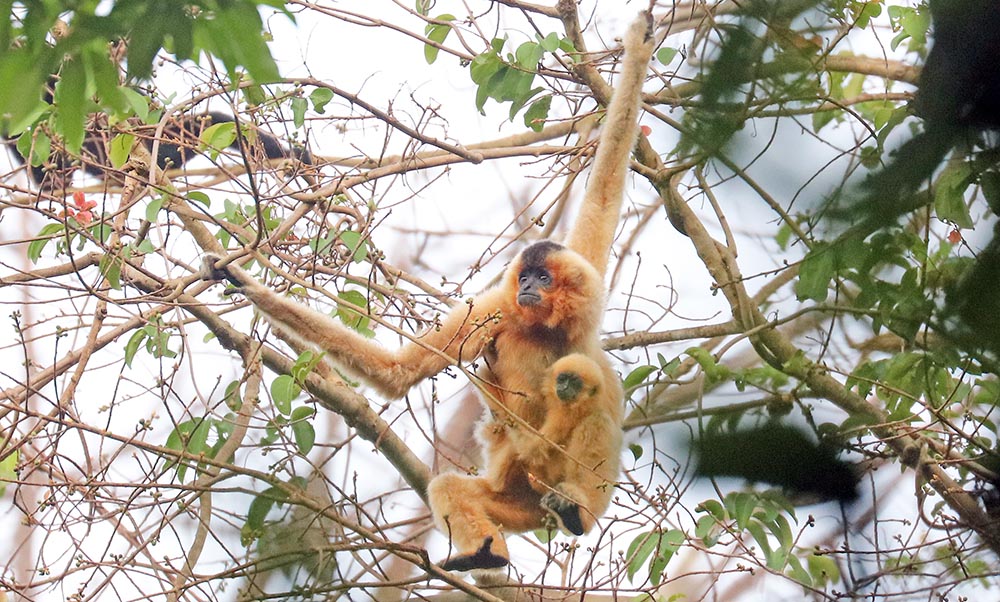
[[565, 511], [210, 273]]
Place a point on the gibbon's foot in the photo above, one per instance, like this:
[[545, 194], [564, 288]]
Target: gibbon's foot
[[211, 273], [565, 511], [568, 386], [482, 558]]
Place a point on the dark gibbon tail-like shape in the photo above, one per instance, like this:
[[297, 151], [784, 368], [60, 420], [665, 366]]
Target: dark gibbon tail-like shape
[[179, 143], [552, 437]]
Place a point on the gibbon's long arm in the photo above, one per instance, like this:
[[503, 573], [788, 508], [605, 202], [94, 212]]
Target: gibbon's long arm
[[594, 229], [460, 337]]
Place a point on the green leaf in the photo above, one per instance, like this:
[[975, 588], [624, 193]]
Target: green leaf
[[436, 32], [707, 530], [821, 118], [304, 365], [36, 145], [302, 429], [119, 149], [356, 243], [537, 113], [22, 75], [7, 470], [795, 571], [743, 506], [666, 54], [668, 368], [189, 436], [549, 43], [351, 317], [199, 197], [153, 208], [260, 507], [43, 237], [823, 569], [528, 55], [669, 543], [137, 102], [707, 362], [299, 106], [71, 100], [199, 436], [637, 376], [715, 509], [815, 273], [111, 268], [132, 346], [636, 450], [949, 195], [757, 530], [665, 544], [639, 550], [869, 11], [320, 97], [238, 41], [283, 390], [232, 396], [254, 95], [217, 137]]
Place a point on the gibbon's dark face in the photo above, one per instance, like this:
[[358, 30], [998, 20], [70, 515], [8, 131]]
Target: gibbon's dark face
[[534, 276]]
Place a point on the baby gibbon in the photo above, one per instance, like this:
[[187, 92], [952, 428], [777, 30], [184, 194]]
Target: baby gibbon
[[552, 437]]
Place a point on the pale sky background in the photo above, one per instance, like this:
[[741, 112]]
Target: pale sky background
[[389, 70]]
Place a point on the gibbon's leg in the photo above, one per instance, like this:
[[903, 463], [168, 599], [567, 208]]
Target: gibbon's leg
[[472, 513], [591, 469], [462, 334]]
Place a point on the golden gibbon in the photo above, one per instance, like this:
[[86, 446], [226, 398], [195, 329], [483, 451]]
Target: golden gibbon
[[552, 437]]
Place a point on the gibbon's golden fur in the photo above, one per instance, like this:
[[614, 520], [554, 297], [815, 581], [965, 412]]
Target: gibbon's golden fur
[[553, 436]]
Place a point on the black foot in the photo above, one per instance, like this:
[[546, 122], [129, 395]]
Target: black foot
[[211, 274], [482, 558], [568, 386], [566, 511], [208, 270]]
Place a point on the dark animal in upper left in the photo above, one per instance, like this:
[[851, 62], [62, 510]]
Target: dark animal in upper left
[[178, 144]]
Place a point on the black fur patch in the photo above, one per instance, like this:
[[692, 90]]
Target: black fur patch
[[568, 386], [554, 339], [483, 558], [566, 511], [535, 255]]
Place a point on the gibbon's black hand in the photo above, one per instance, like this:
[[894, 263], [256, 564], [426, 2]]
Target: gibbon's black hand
[[566, 512]]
